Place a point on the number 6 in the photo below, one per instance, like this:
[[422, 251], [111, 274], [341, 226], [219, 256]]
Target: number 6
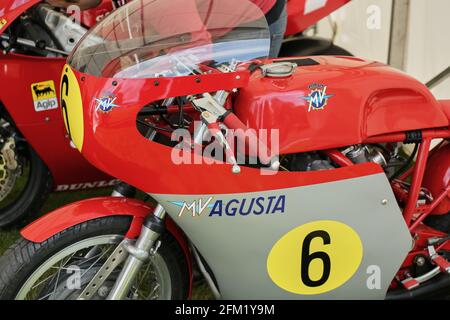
[[307, 257]]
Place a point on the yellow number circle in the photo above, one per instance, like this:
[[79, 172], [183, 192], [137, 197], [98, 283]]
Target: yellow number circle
[[72, 107], [315, 258]]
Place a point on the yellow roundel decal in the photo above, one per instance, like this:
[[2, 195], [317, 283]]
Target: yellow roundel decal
[[72, 107], [315, 258], [3, 23]]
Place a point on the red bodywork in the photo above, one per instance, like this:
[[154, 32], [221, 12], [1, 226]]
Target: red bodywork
[[371, 103], [341, 123], [387, 101], [43, 130], [382, 108]]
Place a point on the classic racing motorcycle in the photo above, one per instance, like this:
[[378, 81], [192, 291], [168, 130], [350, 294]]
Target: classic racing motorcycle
[[281, 178], [36, 157], [35, 153]]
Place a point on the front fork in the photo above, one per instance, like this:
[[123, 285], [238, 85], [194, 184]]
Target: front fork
[[151, 230]]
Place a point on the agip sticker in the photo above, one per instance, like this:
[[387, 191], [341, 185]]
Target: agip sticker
[[44, 96], [315, 258]]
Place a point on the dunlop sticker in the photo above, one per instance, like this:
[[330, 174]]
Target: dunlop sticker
[[44, 96]]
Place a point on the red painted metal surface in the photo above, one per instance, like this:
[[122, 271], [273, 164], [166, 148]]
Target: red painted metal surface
[[304, 13], [338, 158], [421, 235], [43, 130], [387, 101], [78, 212], [445, 104], [401, 136], [113, 144], [437, 176], [417, 179], [429, 208]]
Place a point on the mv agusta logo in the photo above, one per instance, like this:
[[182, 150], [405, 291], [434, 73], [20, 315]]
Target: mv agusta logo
[[318, 97], [234, 207], [106, 103]]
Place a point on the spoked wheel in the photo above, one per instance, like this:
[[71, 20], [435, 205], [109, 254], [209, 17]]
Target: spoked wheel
[[63, 266], [25, 181]]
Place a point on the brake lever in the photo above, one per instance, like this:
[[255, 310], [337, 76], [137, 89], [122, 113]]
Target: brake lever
[[211, 121]]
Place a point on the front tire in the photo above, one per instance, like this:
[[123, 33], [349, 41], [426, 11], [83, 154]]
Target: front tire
[[30, 191], [26, 264]]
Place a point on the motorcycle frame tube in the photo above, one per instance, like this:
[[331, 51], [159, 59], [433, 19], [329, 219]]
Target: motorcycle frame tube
[[85, 210], [417, 179], [337, 157], [411, 169], [430, 208], [418, 170], [401, 136]]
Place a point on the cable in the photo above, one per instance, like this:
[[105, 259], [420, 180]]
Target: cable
[[407, 164]]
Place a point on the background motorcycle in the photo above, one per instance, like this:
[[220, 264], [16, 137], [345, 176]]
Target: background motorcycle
[[340, 219], [36, 157]]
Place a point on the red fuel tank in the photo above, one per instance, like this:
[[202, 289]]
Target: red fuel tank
[[331, 102]]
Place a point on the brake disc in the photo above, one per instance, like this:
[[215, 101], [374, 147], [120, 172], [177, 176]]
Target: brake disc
[[9, 168]]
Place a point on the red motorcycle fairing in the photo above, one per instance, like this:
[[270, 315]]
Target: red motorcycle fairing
[[385, 101], [82, 211], [304, 13], [103, 134], [43, 130]]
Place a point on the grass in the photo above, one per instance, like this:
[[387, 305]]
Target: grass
[[8, 237]]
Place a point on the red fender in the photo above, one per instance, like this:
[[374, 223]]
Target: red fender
[[85, 210]]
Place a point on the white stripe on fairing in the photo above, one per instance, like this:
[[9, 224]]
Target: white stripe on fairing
[[313, 5]]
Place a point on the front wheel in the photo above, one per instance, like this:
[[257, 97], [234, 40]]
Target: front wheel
[[25, 181], [62, 266]]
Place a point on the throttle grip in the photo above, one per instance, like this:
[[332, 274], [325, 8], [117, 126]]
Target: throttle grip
[[233, 122]]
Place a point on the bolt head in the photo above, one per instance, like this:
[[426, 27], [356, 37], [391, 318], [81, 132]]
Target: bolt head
[[420, 261], [236, 169], [103, 291]]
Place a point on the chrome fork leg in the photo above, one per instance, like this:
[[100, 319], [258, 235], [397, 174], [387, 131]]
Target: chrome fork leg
[[152, 228]]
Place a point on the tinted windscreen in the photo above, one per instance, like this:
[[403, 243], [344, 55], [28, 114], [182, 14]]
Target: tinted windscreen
[[167, 38]]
